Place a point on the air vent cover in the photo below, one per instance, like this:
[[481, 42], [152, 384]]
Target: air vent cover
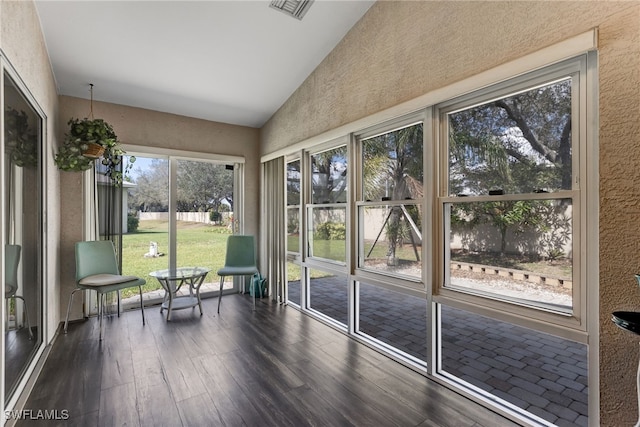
[[295, 8]]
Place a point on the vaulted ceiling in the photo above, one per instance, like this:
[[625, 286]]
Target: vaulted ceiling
[[228, 61]]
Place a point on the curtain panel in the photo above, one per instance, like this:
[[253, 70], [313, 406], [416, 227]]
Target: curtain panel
[[273, 232], [109, 210]]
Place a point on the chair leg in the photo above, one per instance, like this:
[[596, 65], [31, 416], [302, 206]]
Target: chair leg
[[66, 322], [220, 294], [26, 313], [100, 312], [141, 304]]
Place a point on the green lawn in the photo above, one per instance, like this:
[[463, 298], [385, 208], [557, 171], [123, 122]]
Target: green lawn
[[198, 245]]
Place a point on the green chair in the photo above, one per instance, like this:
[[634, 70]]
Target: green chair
[[240, 260], [11, 262], [97, 270]]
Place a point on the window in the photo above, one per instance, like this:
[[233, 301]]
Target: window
[[510, 191], [327, 214], [294, 194], [293, 206], [328, 295], [180, 209], [465, 254], [390, 211]]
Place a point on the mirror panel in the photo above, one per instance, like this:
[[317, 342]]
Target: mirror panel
[[23, 233]]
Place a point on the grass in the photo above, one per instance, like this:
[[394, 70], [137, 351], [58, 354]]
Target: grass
[[202, 245], [198, 245]]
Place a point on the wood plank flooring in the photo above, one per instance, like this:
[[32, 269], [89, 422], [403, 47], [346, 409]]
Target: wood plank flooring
[[272, 367]]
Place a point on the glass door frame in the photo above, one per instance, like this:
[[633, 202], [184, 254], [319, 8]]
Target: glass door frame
[[7, 69], [175, 156]]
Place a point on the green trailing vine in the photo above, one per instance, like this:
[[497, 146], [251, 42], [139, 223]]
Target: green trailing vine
[[82, 133]]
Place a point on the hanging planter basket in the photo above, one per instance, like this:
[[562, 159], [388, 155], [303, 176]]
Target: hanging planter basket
[[90, 139], [93, 151]]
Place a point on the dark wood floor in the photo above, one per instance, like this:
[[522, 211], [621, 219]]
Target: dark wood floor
[[272, 367], [19, 349]]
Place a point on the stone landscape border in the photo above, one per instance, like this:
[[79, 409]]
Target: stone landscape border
[[508, 273]]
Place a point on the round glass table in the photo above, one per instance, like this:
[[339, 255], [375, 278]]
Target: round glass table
[[173, 279]]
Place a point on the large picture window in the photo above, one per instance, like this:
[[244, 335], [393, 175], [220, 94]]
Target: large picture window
[[510, 193]]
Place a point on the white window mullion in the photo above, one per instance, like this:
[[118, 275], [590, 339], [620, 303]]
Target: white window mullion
[[173, 207]]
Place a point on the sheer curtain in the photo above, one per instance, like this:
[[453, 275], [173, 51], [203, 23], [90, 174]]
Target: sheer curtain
[[109, 210], [273, 231]]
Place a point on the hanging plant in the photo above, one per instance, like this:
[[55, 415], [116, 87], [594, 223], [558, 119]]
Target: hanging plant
[[90, 139], [21, 141]]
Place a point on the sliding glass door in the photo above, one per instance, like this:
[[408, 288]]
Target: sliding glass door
[[204, 216], [179, 213]]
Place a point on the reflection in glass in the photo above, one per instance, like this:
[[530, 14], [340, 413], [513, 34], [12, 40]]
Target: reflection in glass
[[518, 250], [327, 234], [392, 165], [517, 144], [391, 239], [328, 294], [329, 176], [396, 319], [23, 233], [543, 374]]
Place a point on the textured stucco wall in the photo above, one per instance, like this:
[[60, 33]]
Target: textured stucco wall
[[401, 50], [137, 126], [22, 42], [619, 212]]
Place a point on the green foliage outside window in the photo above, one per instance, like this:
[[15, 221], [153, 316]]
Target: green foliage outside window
[[331, 231]]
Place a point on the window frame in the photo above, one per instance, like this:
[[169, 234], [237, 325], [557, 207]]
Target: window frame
[[308, 205], [361, 272], [571, 326], [173, 156], [297, 206], [9, 399]]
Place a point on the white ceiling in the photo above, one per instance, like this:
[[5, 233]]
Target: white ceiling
[[228, 61]]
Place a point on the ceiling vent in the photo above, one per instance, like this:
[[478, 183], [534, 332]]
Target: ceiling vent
[[295, 8]]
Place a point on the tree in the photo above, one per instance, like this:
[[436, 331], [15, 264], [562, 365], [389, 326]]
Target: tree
[[201, 187], [329, 175], [519, 144], [151, 191], [393, 169], [293, 183], [514, 145]]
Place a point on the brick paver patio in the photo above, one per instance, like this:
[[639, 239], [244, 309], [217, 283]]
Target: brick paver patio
[[541, 373]]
